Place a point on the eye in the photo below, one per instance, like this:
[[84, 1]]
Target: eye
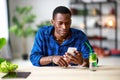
[[68, 23], [60, 23]]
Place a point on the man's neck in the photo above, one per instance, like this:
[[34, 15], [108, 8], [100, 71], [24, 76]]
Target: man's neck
[[61, 39], [57, 36]]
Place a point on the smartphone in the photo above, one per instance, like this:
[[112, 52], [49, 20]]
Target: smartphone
[[71, 50]]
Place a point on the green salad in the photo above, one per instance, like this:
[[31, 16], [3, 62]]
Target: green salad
[[6, 66]]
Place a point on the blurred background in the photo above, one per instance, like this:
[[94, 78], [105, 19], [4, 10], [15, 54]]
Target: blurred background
[[99, 19]]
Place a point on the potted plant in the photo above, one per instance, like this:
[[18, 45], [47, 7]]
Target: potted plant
[[22, 20], [6, 66]]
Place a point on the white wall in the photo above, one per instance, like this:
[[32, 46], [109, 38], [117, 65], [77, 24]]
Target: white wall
[[42, 8]]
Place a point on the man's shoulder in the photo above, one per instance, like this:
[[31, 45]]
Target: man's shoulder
[[45, 29], [78, 34], [77, 31]]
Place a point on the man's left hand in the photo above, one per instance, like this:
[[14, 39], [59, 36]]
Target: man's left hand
[[76, 59]]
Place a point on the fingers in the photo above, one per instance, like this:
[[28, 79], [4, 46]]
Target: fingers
[[71, 58], [69, 55], [76, 59], [60, 61], [77, 53]]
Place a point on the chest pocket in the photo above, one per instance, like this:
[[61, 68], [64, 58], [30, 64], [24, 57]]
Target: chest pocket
[[51, 48]]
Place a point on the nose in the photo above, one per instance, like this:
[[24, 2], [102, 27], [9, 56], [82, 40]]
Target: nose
[[64, 26]]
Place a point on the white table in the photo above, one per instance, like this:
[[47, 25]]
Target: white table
[[71, 73]]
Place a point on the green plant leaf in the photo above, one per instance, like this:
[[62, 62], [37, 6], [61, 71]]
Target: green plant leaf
[[13, 29], [23, 10], [44, 23], [6, 67], [28, 9], [20, 10], [15, 20], [2, 60], [29, 18], [2, 42], [19, 32], [29, 31]]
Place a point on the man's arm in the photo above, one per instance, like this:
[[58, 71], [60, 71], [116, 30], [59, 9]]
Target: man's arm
[[46, 60], [58, 60]]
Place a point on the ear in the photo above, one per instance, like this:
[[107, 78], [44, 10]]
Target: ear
[[52, 21]]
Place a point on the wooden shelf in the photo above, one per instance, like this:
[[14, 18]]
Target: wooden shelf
[[85, 15]]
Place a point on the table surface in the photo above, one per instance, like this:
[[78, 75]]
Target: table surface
[[105, 72]]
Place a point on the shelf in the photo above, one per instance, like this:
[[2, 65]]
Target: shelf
[[93, 9], [96, 38], [95, 28], [94, 16], [106, 40], [87, 3]]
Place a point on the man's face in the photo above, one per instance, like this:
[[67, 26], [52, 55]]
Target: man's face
[[62, 24]]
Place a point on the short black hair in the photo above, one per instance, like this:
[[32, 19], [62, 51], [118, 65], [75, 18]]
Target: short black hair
[[61, 9]]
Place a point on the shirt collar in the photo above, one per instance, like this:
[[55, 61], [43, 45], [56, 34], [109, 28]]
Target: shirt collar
[[49, 30], [71, 39]]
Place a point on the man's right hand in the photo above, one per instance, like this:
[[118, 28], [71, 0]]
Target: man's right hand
[[59, 61]]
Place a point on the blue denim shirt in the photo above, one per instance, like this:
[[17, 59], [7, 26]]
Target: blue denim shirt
[[46, 45]]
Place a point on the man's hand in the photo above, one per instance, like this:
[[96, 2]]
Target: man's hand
[[59, 61], [76, 59]]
